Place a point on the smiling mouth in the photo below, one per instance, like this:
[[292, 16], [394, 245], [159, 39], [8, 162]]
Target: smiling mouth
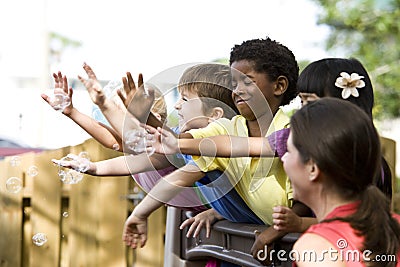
[[239, 101]]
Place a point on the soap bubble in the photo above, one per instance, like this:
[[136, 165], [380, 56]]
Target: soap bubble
[[84, 155], [138, 139], [15, 161], [13, 185], [72, 167], [70, 176], [59, 101], [115, 147], [32, 171], [39, 239]]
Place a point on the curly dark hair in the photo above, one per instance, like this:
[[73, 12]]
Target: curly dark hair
[[272, 58]]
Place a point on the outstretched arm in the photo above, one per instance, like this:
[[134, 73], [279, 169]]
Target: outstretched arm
[[135, 228], [104, 135], [220, 145], [119, 166]]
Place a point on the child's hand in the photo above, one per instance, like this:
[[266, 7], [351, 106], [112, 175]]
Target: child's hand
[[284, 219], [139, 100], [76, 163], [93, 86], [135, 231], [60, 87], [164, 142], [205, 218]]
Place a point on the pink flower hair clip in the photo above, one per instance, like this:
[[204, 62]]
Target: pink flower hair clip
[[349, 84]]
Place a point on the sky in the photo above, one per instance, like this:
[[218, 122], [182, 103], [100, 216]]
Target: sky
[[123, 35]]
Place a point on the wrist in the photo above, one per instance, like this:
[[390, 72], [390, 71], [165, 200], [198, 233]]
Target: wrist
[[139, 213], [92, 169], [70, 113]]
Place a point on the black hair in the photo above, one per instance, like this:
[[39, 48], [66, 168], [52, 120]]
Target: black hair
[[271, 58]]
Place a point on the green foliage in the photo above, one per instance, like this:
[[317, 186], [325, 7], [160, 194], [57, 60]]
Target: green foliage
[[65, 41], [369, 30]]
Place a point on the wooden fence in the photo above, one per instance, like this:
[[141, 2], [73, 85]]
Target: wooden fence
[[82, 222]]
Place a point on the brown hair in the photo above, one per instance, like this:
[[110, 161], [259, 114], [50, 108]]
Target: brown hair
[[211, 82]]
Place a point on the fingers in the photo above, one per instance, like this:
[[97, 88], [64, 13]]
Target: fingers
[[140, 80], [149, 129], [126, 85], [64, 83], [198, 229], [191, 229], [45, 98], [131, 83], [133, 240], [143, 239], [208, 230], [81, 79], [121, 96], [89, 71], [186, 223], [70, 92]]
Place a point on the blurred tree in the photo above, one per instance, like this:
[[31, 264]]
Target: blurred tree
[[369, 30], [58, 44]]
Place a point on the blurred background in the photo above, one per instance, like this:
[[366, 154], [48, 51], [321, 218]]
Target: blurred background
[[40, 37]]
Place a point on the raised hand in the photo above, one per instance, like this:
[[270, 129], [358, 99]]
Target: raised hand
[[135, 231], [62, 90], [196, 223], [138, 100], [93, 86]]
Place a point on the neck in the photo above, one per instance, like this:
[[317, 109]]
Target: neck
[[326, 203], [259, 126]]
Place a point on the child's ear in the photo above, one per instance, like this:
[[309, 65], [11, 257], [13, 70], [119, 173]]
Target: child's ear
[[216, 113], [281, 85]]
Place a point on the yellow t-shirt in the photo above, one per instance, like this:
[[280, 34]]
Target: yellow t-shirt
[[261, 182]]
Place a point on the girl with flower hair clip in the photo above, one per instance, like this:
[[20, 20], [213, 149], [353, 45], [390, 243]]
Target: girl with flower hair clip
[[347, 79]]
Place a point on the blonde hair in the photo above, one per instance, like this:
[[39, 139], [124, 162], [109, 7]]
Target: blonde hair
[[159, 106]]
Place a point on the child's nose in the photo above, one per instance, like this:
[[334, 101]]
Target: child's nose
[[178, 104], [238, 89]]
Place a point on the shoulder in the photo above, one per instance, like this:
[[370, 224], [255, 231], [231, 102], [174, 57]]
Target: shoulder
[[396, 217], [311, 250], [280, 120]]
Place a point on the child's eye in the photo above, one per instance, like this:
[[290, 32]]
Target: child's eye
[[184, 99], [248, 82]]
